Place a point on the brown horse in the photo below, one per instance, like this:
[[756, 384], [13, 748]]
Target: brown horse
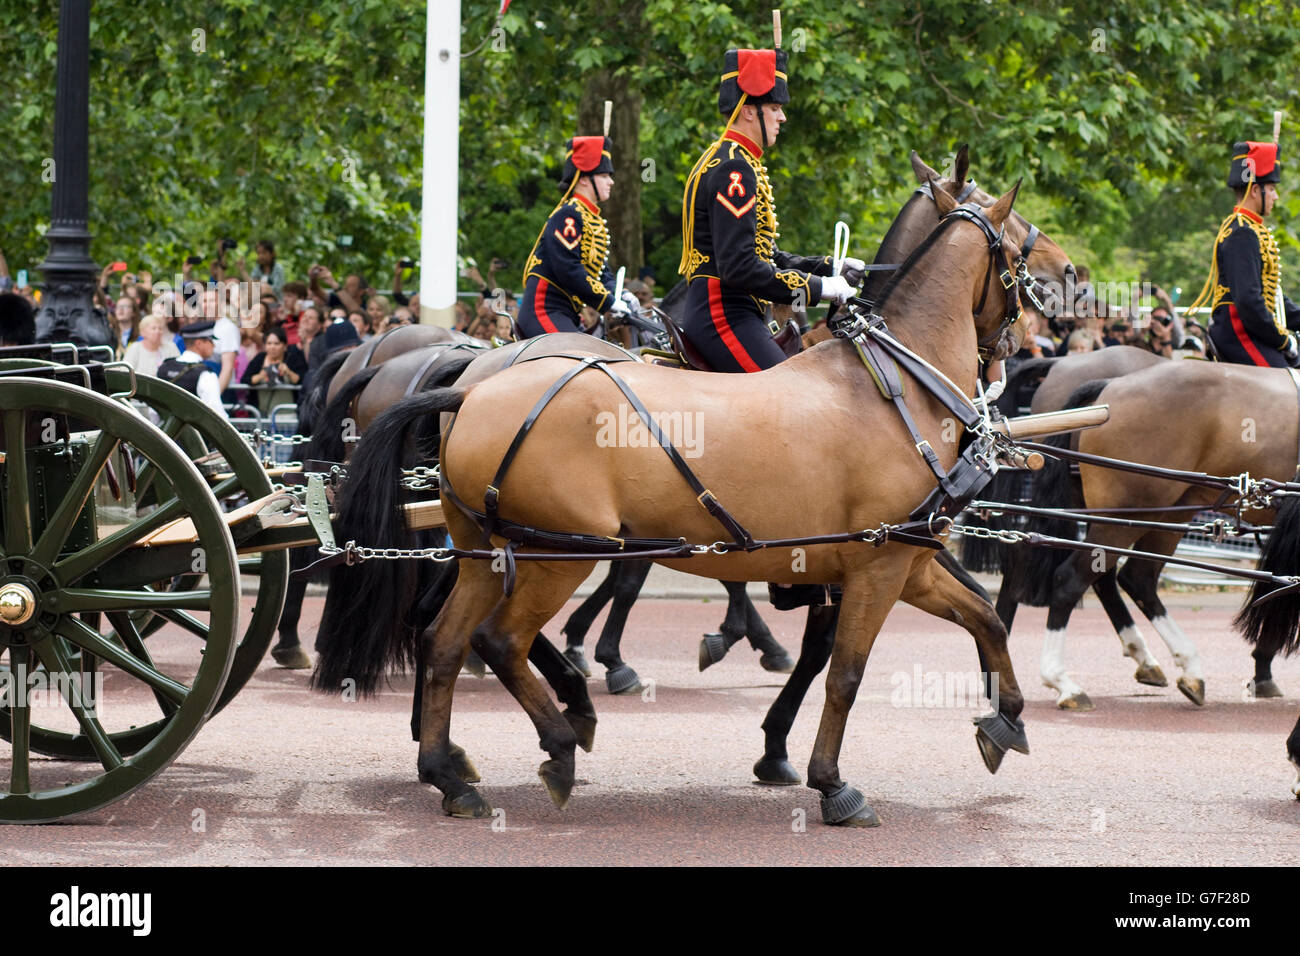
[[792, 424], [1213, 418]]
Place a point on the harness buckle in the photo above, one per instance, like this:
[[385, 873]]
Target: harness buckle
[[1006, 278], [925, 452]]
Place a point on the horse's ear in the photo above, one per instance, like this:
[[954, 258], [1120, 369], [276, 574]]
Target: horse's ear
[[946, 202], [962, 163], [923, 172], [999, 211]]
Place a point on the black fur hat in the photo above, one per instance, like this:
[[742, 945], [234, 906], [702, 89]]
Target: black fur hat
[[1257, 162], [760, 74], [588, 155]]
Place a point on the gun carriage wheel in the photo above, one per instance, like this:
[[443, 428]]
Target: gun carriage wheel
[[80, 555]]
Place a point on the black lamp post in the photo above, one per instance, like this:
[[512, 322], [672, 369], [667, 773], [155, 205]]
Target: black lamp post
[[67, 311]]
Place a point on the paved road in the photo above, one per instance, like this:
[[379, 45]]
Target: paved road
[[288, 776]]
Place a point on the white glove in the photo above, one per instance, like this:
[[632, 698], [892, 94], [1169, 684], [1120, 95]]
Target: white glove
[[836, 289], [1290, 351], [631, 300], [619, 308], [854, 270]]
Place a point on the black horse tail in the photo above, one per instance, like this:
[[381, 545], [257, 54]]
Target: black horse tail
[[1273, 626], [366, 628], [986, 554], [327, 439], [1027, 572], [318, 386]]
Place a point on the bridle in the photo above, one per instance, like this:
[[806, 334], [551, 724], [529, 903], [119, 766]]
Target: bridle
[[1010, 279], [972, 212]]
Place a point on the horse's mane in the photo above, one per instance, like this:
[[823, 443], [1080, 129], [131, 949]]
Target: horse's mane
[[887, 253], [897, 276]]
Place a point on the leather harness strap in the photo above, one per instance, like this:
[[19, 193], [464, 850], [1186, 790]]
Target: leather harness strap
[[491, 521], [417, 381]]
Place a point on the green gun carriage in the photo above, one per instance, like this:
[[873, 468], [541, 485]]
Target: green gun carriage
[[112, 526]]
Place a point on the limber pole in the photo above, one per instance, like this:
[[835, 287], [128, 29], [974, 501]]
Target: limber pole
[[441, 164]]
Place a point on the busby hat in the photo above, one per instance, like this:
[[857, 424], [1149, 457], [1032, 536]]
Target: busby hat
[[588, 155], [1253, 162], [759, 74]]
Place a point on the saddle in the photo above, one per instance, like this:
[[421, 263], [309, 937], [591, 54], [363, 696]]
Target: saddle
[[787, 339]]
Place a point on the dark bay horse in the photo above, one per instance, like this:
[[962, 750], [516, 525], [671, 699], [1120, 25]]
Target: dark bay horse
[[793, 421]]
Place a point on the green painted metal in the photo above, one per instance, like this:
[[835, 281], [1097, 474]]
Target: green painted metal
[[68, 643], [199, 431]]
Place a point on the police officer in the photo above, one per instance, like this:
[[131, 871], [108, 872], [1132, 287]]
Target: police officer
[[732, 266], [568, 266], [189, 372], [1252, 322]]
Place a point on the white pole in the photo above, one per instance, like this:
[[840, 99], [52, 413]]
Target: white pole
[[441, 164]]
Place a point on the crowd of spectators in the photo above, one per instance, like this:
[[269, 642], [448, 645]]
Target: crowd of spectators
[[1095, 324]]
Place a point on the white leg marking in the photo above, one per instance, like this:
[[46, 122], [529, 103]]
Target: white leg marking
[[1180, 645], [1135, 646], [1052, 666], [1295, 787]]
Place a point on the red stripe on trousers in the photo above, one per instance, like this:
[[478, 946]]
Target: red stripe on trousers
[[724, 329], [539, 307], [1246, 341]]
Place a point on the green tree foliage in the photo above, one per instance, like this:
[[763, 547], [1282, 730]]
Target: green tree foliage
[[1117, 114]]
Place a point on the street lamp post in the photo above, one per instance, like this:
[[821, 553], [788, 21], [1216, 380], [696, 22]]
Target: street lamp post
[[67, 311]]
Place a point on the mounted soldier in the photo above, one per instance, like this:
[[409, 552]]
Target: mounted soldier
[[1252, 322], [568, 266], [732, 266]]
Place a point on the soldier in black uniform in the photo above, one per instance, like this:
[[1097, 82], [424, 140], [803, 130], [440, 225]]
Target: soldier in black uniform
[[732, 266], [1252, 322], [568, 267]]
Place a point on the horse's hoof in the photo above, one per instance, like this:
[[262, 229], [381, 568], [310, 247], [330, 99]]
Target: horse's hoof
[[623, 680], [776, 772], [781, 663], [558, 781], [1080, 702], [584, 728], [847, 807], [995, 734], [573, 654], [989, 752], [713, 648], [463, 766], [1267, 689], [474, 664], [468, 805], [292, 658], [1193, 689], [1151, 675]]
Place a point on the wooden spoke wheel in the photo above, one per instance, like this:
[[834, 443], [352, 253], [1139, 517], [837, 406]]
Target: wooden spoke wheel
[[236, 475], [71, 557]]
